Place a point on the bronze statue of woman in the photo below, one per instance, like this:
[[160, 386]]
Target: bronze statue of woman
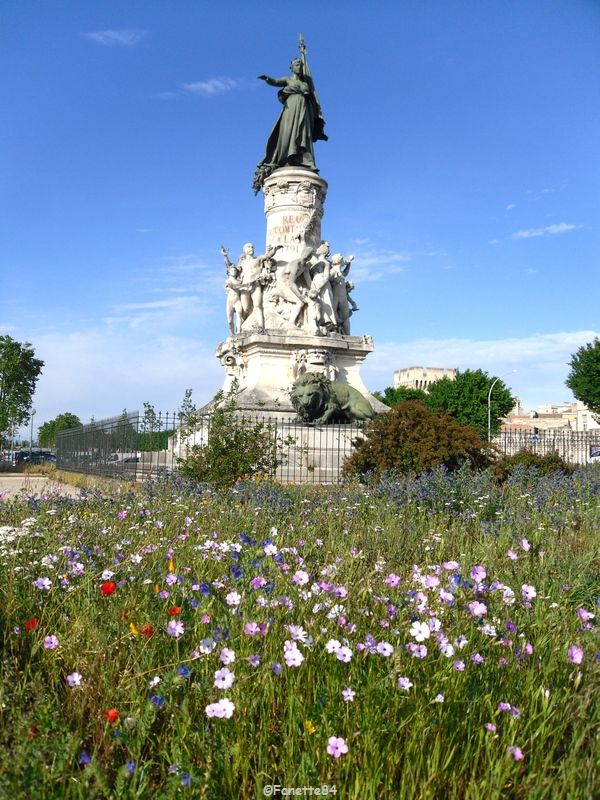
[[299, 125]]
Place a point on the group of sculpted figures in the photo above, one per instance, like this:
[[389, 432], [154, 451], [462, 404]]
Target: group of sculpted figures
[[309, 292]]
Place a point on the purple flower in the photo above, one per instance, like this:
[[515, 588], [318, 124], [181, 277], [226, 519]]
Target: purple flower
[[459, 666], [74, 679], [42, 583], [490, 727], [478, 573], [84, 758], [227, 656], [575, 654], [515, 752], [528, 592], [344, 654], [503, 706], [175, 628], [254, 660], [130, 767], [276, 668], [224, 678], [292, 655], [584, 615], [404, 683], [336, 746], [157, 700], [348, 695], [385, 649], [51, 642]]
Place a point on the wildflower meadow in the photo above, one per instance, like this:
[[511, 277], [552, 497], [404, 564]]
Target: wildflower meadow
[[432, 637]]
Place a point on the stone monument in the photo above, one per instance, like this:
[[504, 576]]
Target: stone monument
[[289, 309]]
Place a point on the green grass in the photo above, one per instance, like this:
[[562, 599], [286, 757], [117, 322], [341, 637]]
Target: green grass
[[401, 744]]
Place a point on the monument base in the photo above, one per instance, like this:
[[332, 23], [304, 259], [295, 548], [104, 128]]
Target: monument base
[[262, 366]]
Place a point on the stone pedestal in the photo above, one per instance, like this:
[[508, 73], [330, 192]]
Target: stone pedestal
[[264, 366]]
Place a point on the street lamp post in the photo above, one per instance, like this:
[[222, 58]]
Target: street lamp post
[[31, 435], [490, 410]]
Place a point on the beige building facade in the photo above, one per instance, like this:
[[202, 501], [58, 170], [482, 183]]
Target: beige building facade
[[421, 377]]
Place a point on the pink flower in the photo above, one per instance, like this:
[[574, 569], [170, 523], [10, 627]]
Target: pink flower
[[515, 752], [175, 628], [392, 580], [336, 746], [525, 545], [490, 727], [233, 598], [575, 654], [300, 577], [257, 583], [528, 592], [449, 566], [227, 656], [223, 709], [292, 655], [251, 629], [477, 609], [512, 555]]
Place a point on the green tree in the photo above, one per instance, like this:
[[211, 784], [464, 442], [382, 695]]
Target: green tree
[[47, 432], [410, 438], [19, 372], [392, 396], [584, 378], [466, 398]]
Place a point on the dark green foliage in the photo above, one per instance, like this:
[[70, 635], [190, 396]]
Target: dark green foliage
[[584, 378], [63, 422], [392, 396], [543, 464], [466, 398], [236, 448], [412, 439], [19, 371]]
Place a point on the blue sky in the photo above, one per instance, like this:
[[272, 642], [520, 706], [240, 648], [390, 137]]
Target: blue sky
[[463, 165]]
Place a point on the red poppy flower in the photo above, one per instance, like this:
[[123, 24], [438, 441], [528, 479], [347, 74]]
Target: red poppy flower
[[108, 587], [33, 732], [112, 715], [31, 624], [174, 610], [147, 630]]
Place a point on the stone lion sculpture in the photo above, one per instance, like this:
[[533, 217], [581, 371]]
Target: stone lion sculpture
[[318, 400]]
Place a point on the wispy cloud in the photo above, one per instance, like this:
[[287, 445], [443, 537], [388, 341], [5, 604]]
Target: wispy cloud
[[549, 230], [210, 87], [374, 265], [540, 360], [127, 37]]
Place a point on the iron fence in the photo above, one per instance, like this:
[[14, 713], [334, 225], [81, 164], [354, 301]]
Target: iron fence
[[135, 446], [575, 447]]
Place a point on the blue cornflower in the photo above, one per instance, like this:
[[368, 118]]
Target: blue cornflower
[[184, 672], [158, 700], [85, 758], [130, 767]]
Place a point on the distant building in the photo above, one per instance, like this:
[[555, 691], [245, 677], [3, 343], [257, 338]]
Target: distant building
[[421, 377], [551, 416]]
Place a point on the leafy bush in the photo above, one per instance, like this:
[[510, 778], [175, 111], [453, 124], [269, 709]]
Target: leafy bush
[[526, 459], [412, 439], [236, 448]]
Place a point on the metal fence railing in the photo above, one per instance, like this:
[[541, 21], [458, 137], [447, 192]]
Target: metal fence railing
[[135, 446], [132, 447], [576, 447]]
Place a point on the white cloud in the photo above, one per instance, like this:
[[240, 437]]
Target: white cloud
[[210, 87], [541, 361], [510, 206], [374, 265], [118, 38], [561, 227], [98, 372]]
